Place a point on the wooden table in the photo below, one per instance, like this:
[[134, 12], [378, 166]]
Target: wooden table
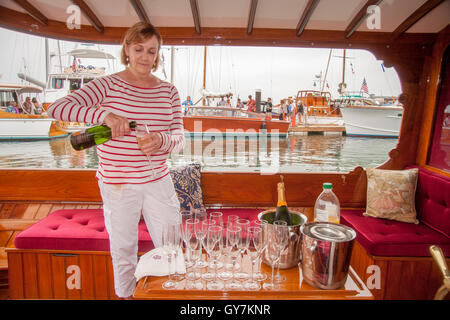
[[294, 288]]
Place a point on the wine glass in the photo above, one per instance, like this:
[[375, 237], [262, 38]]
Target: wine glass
[[244, 224], [194, 246], [169, 245], [276, 235], [142, 137], [282, 243], [214, 249], [233, 235], [185, 215], [254, 251], [263, 224], [201, 215], [231, 221], [208, 276], [217, 217]]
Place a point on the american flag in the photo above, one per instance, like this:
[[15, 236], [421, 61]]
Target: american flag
[[364, 86]]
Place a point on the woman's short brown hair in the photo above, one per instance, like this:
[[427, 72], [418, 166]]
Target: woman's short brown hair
[[140, 32]]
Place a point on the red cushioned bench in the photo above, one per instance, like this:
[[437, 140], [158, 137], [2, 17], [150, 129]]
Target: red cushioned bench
[[400, 248], [51, 254]]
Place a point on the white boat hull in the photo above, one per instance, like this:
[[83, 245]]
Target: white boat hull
[[25, 128], [373, 121]]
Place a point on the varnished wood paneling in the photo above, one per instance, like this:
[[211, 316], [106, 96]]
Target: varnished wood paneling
[[87, 277], [30, 276], [218, 188], [58, 276], [100, 274], [15, 275], [44, 280]]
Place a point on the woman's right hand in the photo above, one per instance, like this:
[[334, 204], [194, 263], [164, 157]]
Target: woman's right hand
[[119, 125]]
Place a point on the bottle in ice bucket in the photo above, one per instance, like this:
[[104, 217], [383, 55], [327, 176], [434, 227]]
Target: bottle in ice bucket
[[93, 136], [327, 207], [282, 211]]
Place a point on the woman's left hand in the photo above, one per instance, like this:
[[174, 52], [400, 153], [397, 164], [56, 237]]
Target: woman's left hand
[[151, 143]]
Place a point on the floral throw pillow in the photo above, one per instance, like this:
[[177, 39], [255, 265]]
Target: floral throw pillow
[[391, 194], [187, 183]]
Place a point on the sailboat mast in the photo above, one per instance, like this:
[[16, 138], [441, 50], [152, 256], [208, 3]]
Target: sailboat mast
[[326, 71], [343, 67], [204, 72]]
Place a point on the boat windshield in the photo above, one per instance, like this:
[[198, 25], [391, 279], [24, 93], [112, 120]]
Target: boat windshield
[[221, 112]]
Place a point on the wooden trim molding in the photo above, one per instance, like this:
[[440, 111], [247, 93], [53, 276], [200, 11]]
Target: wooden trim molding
[[90, 15], [196, 16], [219, 189], [33, 11], [360, 17], [140, 10], [251, 16], [415, 17], [307, 13]]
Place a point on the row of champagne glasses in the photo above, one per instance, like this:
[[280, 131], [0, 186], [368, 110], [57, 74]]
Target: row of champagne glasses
[[231, 240]]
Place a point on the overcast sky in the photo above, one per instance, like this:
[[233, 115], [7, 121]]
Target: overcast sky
[[278, 72]]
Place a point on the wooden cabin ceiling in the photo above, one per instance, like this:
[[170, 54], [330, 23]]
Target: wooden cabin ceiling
[[218, 21]]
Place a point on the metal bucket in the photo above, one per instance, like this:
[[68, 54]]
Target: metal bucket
[[291, 256], [326, 250]]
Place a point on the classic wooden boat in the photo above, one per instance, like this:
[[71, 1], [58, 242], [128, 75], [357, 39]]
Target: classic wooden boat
[[364, 117], [417, 48], [22, 126], [232, 121]]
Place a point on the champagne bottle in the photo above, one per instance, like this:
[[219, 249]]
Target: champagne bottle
[[93, 136], [282, 211]]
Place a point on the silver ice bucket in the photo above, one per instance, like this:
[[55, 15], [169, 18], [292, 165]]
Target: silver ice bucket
[[290, 256], [326, 251]]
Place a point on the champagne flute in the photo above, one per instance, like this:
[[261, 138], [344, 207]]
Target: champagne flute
[[185, 215], [244, 224], [263, 224], [201, 215], [168, 238], [254, 251], [273, 250], [142, 138], [233, 235], [214, 248], [231, 221], [194, 246], [208, 276], [283, 242], [217, 217]]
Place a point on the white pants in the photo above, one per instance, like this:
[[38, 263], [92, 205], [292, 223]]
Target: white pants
[[122, 207]]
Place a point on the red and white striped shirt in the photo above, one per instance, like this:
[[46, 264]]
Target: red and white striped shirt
[[120, 159]]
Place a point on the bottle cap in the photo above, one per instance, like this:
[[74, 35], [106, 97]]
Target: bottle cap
[[328, 185]]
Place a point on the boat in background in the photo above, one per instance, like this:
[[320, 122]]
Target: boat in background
[[20, 126], [366, 116], [229, 120], [318, 108]]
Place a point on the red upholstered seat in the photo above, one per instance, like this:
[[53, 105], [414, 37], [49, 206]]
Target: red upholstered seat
[[382, 237], [84, 229]]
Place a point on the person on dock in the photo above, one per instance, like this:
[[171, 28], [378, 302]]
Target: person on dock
[[187, 103], [268, 110], [133, 178], [251, 104], [239, 104], [221, 103]]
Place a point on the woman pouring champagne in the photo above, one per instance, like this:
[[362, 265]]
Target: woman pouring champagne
[[129, 183]]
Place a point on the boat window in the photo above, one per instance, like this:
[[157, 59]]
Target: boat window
[[75, 84], [57, 83], [439, 153]]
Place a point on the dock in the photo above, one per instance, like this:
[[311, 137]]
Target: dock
[[326, 130]]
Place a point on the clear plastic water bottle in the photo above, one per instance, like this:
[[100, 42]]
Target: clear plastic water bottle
[[327, 207]]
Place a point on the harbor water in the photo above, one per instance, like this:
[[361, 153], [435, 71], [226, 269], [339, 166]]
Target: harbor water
[[268, 155]]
